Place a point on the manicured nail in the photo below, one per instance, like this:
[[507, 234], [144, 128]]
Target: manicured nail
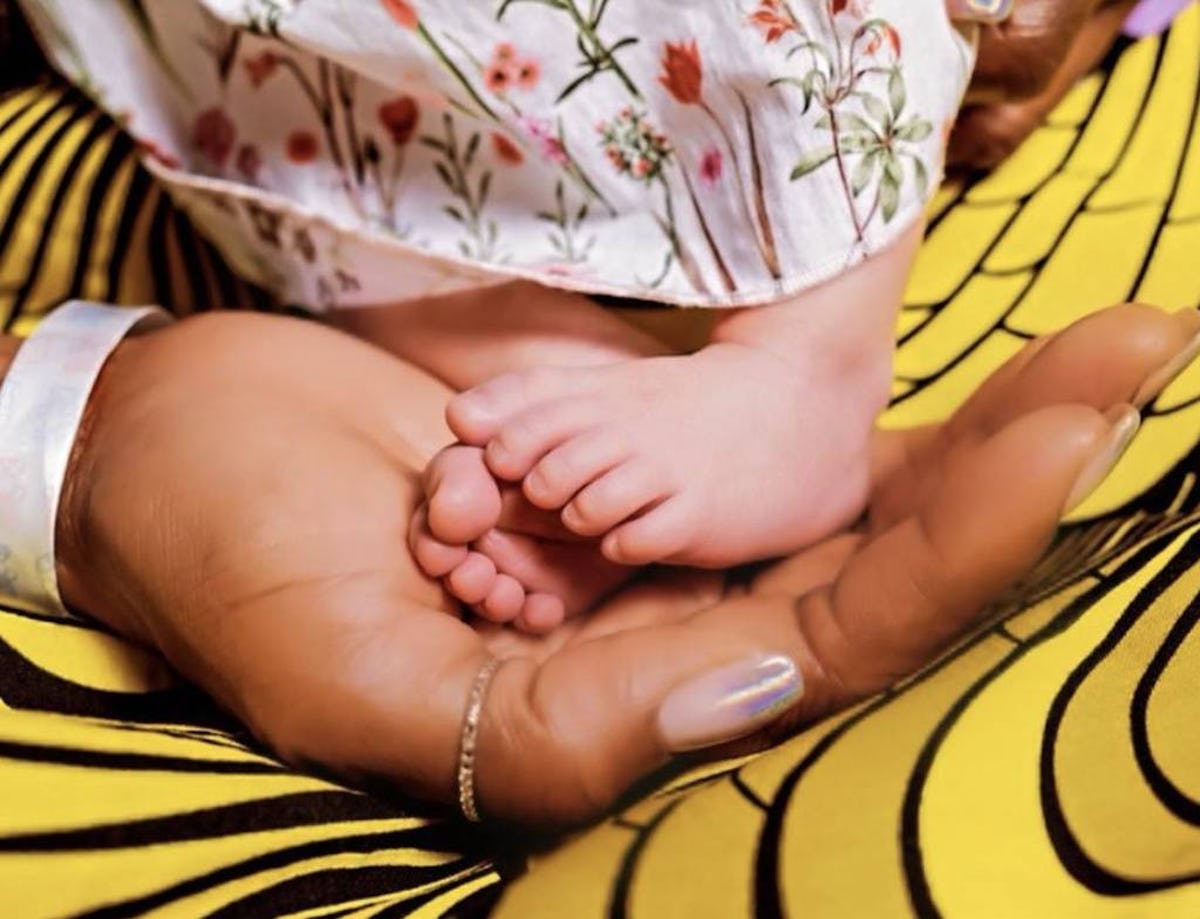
[[728, 703], [1166, 375], [1125, 421], [988, 12]]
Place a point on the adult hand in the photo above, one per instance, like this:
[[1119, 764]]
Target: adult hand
[[240, 500], [1026, 66]]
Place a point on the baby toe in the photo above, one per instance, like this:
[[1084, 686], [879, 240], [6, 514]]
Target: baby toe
[[525, 438], [434, 557], [464, 499], [542, 613], [568, 468], [612, 498], [656, 536], [472, 580], [505, 600], [477, 415]]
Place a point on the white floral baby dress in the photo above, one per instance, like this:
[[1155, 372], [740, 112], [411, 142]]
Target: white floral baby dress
[[695, 152]]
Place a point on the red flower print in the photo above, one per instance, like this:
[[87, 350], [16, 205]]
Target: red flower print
[[507, 151], [214, 135], [837, 6], [260, 68], [885, 35], [302, 147], [528, 73], [712, 166], [403, 12], [498, 78], [249, 162], [505, 53], [774, 20], [400, 117], [683, 72]]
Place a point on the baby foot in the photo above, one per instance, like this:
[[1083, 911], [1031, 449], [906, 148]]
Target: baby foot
[[718, 458], [504, 575]]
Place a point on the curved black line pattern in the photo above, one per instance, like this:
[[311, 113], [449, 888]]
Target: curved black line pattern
[[1070, 853], [1172, 797]]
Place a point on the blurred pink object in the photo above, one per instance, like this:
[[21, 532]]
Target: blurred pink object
[[1153, 16]]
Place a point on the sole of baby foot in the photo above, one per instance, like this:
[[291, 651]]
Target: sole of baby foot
[[726, 456]]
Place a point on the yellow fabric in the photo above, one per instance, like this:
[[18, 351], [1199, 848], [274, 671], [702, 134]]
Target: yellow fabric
[[1049, 767]]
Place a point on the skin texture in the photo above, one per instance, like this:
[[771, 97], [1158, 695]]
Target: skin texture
[[255, 536], [636, 454]]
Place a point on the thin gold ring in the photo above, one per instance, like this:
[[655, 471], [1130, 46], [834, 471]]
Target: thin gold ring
[[470, 736]]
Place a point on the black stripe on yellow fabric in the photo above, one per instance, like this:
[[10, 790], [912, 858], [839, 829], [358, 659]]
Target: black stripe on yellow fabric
[[158, 253], [622, 888], [188, 244], [967, 349], [138, 762], [920, 894], [16, 206], [286, 812], [26, 687], [119, 152], [223, 292], [347, 883], [26, 104], [1172, 797], [333, 884], [1071, 853], [1177, 182], [139, 190], [96, 131], [477, 905]]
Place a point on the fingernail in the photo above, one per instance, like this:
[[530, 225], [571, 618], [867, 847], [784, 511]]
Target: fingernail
[[1125, 421], [728, 703], [1166, 375], [988, 12]]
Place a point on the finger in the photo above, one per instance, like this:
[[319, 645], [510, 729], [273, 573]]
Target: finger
[[600, 714], [1123, 354], [1106, 358], [911, 590]]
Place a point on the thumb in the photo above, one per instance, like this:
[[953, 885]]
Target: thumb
[[561, 740]]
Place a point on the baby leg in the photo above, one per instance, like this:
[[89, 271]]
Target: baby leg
[[753, 447]]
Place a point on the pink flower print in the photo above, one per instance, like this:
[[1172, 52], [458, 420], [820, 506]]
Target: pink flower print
[[507, 69], [712, 166], [550, 146], [498, 78], [213, 135], [249, 162], [260, 68], [528, 73], [633, 145]]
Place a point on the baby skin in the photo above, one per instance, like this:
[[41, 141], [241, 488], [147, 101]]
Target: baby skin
[[751, 448]]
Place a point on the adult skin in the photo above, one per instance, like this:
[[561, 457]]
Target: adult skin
[[239, 500]]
